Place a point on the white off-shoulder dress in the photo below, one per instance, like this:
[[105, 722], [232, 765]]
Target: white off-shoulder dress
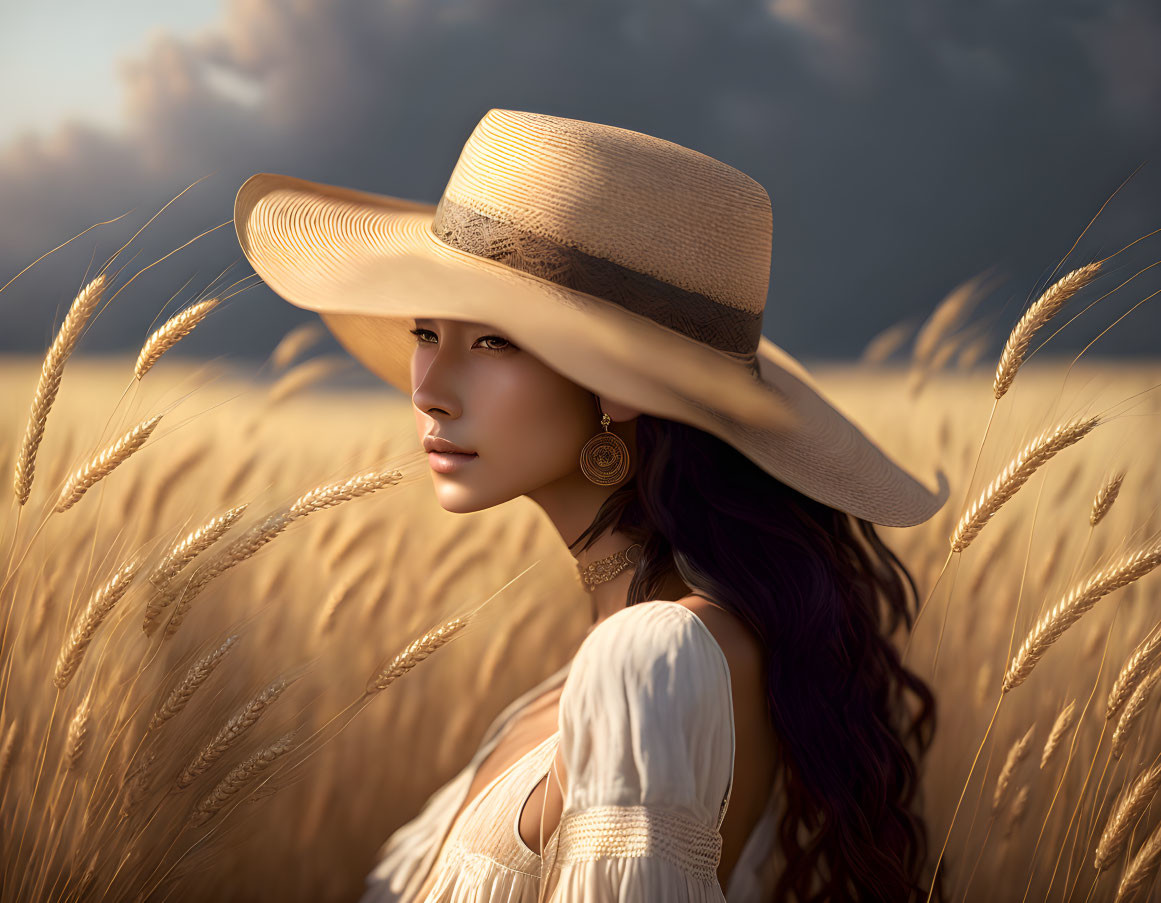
[[646, 725]]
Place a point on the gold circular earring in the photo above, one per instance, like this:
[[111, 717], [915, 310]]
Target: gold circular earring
[[604, 459]]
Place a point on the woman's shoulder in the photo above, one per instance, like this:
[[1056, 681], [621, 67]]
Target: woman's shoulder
[[646, 713], [663, 629], [650, 652]]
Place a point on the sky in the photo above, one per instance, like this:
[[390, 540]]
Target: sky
[[906, 145], [74, 68]]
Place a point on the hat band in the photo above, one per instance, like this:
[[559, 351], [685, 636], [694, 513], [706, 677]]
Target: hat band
[[691, 313]]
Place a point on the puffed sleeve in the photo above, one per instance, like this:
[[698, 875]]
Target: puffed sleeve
[[647, 738]]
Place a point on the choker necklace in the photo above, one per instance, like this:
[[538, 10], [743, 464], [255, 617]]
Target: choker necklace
[[609, 567]]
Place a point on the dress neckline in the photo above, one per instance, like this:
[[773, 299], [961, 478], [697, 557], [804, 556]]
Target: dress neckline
[[523, 800]]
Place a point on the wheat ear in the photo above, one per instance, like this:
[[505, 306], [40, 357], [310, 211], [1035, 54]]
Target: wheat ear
[[1141, 869], [1031, 457], [304, 375], [197, 675], [194, 543], [1039, 312], [335, 600], [1136, 666], [332, 494], [317, 499], [1019, 807], [239, 550], [7, 751], [238, 777], [1063, 722], [170, 333], [103, 463], [78, 732], [416, 652], [49, 383], [1068, 610], [1132, 712], [102, 602], [1105, 497], [1127, 813], [136, 783], [242, 721], [295, 342], [1016, 755], [181, 554]]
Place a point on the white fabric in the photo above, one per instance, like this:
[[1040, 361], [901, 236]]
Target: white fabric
[[647, 733]]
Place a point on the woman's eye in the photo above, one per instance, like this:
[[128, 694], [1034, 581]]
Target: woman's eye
[[504, 344]]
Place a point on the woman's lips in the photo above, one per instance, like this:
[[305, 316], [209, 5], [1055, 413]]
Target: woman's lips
[[448, 462]]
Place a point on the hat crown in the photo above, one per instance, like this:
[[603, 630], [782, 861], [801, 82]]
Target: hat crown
[[640, 202]]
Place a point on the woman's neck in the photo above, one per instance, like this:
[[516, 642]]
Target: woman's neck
[[612, 595]]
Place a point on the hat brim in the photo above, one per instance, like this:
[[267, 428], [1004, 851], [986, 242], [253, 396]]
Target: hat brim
[[369, 264]]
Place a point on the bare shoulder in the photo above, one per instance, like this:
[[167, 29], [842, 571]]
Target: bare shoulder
[[740, 645]]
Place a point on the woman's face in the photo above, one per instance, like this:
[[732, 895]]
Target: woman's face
[[525, 422]]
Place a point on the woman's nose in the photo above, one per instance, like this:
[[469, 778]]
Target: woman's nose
[[435, 388]]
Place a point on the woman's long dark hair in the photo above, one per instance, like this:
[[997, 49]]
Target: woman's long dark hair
[[814, 584]]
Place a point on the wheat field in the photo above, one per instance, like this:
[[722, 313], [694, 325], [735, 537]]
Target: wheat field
[[215, 561]]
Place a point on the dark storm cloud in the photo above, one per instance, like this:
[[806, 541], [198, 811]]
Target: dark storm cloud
[[906, 145]]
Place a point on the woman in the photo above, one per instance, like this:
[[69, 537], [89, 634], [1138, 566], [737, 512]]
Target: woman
[[578, 320]]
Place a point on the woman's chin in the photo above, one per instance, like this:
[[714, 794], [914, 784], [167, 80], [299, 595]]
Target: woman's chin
[[455, 497]]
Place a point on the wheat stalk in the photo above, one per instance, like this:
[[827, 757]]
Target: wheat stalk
[[1142, 659], [886, 343], [181, 554], [7, 751], [239, 777], [1068, 610], [416, 652], [1127, 813], [194, 543], [239, 550], [1016, 754], [102, 464], [1133, 708], [78, 731], [318, 499], [304, 375], [102, 602], [1105, 497], [1035, 454], [328, 496], [170, 333], [1040, 312], [296, 341], [1053, 558], [49, 383], [242, 721], [1063, 722], [136, 783], [197, 675], [1141, 869], [337, 597], [944, 320], [1019, 807]]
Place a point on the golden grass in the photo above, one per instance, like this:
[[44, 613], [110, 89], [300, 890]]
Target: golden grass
[[331, 597]]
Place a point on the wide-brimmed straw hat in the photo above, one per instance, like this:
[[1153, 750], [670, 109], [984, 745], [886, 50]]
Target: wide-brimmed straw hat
[[634, 266]]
